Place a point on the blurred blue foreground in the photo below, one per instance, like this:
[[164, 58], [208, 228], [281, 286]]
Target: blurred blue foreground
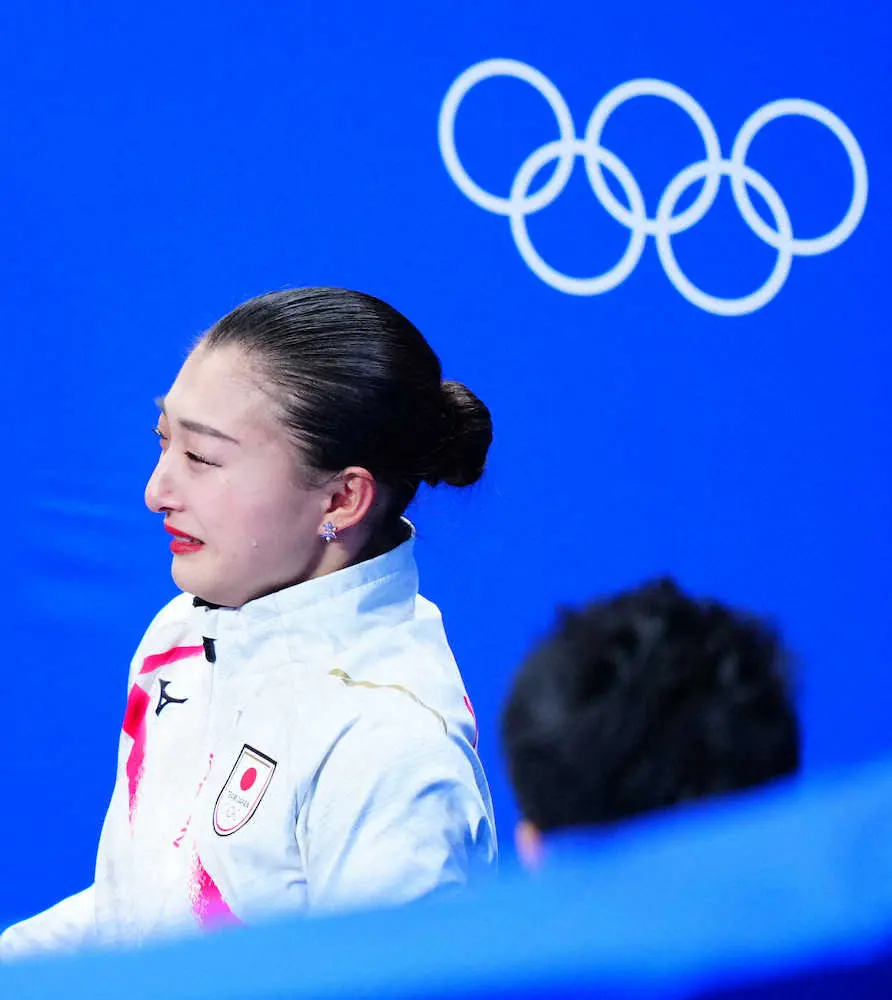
[[784, 894]]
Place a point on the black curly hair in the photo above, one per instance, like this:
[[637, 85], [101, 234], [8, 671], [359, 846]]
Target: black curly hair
[[645, 700]]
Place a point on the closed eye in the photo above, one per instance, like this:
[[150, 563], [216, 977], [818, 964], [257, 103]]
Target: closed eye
[[191, 455], [199, 459]]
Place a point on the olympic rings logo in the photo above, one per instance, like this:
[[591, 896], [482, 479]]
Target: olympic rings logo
[[665, 224]]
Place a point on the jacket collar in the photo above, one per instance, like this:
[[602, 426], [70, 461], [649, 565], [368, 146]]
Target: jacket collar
[[340, 604]]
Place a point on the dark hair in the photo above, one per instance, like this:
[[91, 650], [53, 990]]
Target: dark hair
[[645, 700], [359, 385]]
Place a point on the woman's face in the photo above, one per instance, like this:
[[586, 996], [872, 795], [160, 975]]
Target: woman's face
[[227, 482]]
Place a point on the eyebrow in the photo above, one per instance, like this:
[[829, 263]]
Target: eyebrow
[[195, 426]]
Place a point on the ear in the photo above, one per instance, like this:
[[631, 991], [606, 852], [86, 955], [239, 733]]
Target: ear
[[351, 497], [529, 844]]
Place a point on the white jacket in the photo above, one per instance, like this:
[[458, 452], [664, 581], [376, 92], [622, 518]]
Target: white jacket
[[325, 760]]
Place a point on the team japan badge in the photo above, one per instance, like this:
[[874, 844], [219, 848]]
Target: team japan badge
[[244, 788]]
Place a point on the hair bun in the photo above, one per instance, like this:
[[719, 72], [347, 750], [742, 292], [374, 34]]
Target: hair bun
[[467, 435]]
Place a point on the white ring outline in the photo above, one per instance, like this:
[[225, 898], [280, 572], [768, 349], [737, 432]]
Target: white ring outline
[[645, 87], [557, 279], [520, 71], [817, 112], [696, 296], [664, 225]]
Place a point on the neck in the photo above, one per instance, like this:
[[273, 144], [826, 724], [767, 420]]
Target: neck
[[387, 537]]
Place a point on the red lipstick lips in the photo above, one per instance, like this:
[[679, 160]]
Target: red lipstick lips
[[182, 543]]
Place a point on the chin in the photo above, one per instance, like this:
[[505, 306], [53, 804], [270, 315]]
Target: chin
[[212, 591], [190, 580]]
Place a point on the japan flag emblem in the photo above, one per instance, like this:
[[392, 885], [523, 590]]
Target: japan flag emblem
[[244, 788]]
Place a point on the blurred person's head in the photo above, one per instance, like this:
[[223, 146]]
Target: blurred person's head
[[642, 701]]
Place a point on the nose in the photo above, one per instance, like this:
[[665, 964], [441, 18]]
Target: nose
[[161, 494]]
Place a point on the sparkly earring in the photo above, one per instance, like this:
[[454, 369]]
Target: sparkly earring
[[328, 533]]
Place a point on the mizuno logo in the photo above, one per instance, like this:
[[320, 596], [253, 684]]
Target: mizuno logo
[[164, 699]]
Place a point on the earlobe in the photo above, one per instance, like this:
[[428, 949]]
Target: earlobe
[[529, 845]]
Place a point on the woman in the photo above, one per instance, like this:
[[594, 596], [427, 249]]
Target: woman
[[297, 736]]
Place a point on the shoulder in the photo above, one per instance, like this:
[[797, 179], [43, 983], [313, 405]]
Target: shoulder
[[178, 609], [385, 739], [168, 625], [383, 703], [370, 723], [169, 628], [406, 795], [410, 668], [336, 709]]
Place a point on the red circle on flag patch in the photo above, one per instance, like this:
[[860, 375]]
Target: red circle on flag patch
[[248, 778]]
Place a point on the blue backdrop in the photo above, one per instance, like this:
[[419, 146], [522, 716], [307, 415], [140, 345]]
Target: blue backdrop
[[161, 167]]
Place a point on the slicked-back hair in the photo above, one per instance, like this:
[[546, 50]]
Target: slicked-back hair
[[645, 700], [358, 384]]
